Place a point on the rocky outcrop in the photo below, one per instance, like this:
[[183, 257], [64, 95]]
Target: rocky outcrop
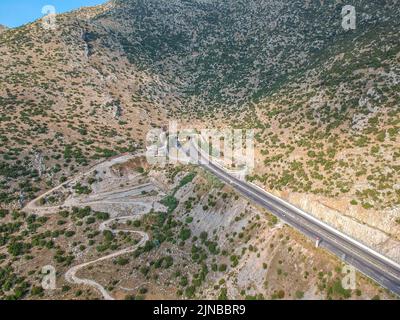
[[378, 230]]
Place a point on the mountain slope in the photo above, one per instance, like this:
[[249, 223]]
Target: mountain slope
[[324, 104], [324, 101], [226, 53]]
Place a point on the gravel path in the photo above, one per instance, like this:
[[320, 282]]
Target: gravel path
[[70, 275]]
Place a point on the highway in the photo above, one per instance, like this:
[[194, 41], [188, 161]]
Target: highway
[[383, 270]]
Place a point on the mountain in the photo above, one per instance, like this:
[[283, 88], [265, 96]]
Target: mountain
[[323, 101], [108, 73], [228, 53]]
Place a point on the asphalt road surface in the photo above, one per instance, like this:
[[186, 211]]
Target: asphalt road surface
[[369, 262]]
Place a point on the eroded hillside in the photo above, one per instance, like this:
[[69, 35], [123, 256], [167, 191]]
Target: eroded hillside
[[324, 103], [126, 230]]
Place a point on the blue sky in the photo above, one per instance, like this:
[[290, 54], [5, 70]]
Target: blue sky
[[14, 13]]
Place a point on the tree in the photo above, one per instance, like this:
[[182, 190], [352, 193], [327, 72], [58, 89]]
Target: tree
[[17, 248], [36, 291], [223, 295], [299, 294], [185, 234], [280, 294], [222, 267], [203, 236], [190, 291]]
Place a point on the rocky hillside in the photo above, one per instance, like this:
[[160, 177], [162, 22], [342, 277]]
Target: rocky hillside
[[324, 100], [324, 103], [227, 53], [162, 233]]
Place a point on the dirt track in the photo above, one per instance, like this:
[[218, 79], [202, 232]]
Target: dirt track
[[124, 195]]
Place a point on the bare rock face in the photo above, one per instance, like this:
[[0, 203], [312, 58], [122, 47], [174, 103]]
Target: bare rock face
[[2, 28]]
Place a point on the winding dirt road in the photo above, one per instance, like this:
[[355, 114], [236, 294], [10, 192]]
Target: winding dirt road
[[33, 207], [70, 275]]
